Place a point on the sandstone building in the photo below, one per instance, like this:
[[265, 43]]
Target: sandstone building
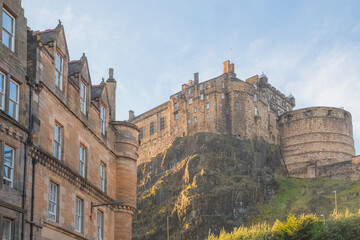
[[313, 140], [68, 167]]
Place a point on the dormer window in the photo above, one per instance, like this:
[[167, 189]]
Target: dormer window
[[59, 71], [83, 97], [8, 30], [102, 119]]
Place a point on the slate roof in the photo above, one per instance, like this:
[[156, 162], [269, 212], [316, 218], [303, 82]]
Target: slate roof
[[75, 67], [96, 90], [47, 36]]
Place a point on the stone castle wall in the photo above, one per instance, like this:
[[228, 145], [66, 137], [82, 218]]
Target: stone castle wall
[[314, 137]]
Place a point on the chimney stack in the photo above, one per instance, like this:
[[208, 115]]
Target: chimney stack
[[111, 90], [196, 78], [226, 66], [131, 115]]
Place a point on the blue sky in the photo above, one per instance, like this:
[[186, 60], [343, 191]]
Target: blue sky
[[308, 48]]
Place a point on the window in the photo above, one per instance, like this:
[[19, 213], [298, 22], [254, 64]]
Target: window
[[269, 107], [195, 109], [79, 214], [236, 94], [8, 30], [102, 119], [237, 106], [223, 85], [222, 95], [57, 141], [256, 111], [9, 166], [59, 71], [287, 108], [176, 116], [201, 87], [189, 121], [82, 161], [141, 133], [152, 128], [162, 123], [175, 105], [102, 177], [7, 229], [83, 97], [207, 115], [195, 119], [100, 224], [255, 86], [207, 105], [202, 97], [14, 100], [190, 91], [207, 96], [190, 101], [53, 201], [255, 97], [2, 91]]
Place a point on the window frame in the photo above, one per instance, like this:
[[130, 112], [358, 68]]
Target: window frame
[[141, 133], [10, 227], [12, 42], [54, 201], [58, 142], [207, 105], [82, 160], [102, 119], [201, 97], [14, 101], [100, 226], [162, 123], [9, 181], [83, 101], [190, 100], [176, 116], [152, 128], [79, 215], [2, 91], [256, 111], [59, 81], [102, 177]]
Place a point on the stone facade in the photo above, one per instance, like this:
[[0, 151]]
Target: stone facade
[[65, 133], [225, 105]]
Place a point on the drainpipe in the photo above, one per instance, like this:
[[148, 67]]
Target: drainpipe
[[27, 143], [34, 161]]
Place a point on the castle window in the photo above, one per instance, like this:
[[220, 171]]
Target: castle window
[[207, 115], [152, 128], [59, 71], [102, 177], [53, 201], [222, 95], [256, 111], [2, 91], [14, 100], [255, 97], [7, 229], [175, 105], [9, 166], [82, 163], [195, 109], [79, 215], [176, 116], [100, 224], [237, 106], [195, 119], [202, 97], [83, 97], [102, 119], [162, 123], [141, 133], [207, 105], [190, 91], [8, 30], [190, 101], [57, 141], [201, 87]]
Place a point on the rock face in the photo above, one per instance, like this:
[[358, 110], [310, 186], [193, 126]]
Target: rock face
[[204, 183]]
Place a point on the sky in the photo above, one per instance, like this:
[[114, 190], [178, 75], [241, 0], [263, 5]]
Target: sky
[[308, 48]]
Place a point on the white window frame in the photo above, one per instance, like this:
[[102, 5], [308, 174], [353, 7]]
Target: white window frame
[[83, 97], [207, 105], [57, 141], [82, 161], [7, 223], [53, 201], [190, 101], [102, 177], [256, 111], [12, 34], [100, 225], [59, 78], [102, 119], [2, 91], [255, 97], [202, 97], [9, 180], [14, 101], [222, 95], [79, 215]]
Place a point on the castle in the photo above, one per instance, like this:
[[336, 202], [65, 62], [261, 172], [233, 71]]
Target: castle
[[315, 142], [68, 168]]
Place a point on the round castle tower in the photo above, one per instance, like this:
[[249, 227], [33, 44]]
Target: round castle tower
[[315, 136]]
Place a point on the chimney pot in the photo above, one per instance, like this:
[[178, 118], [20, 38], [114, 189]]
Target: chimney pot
[[111, 73], [196, 78], [131, 115]]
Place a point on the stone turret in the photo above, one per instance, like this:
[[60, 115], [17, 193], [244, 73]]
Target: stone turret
[[111, 90]]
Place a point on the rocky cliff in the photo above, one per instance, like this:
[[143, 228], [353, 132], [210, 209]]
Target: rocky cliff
[[204, 183]]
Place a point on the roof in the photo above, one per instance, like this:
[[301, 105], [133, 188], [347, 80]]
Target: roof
[[47, 36], [75, 67], [96, 90]]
